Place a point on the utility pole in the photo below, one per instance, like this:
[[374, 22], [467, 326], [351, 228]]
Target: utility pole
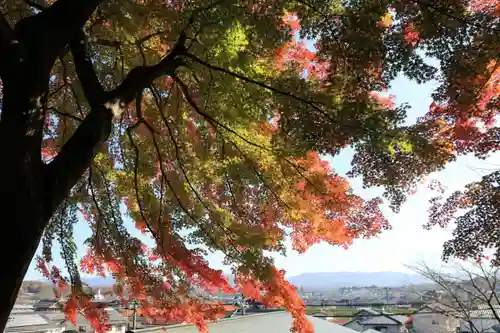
[[134, 304], [387, 295]]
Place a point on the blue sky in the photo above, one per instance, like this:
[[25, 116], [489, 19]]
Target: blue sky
[[406, 243]]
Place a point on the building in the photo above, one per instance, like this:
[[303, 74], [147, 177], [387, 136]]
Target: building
[[435, 318], [367, 319], [142, 321], [339, 321], [275, 322], [21, 308], [481, 320], [118, 323], [479, 325], [324, 314], [48, 305], [31, 322]]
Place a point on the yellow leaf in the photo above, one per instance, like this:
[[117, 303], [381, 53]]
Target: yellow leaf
[[386, 20]]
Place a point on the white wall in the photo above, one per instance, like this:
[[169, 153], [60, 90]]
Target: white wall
[[114, 328], [118, 328], [55, 330]]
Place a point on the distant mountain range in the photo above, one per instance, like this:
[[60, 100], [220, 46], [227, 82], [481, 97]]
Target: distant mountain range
[[97, 281], [322, 281], [93, 281], [318, 281]]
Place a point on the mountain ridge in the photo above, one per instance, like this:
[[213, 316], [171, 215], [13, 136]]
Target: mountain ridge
[[331, 280], [315, 280]]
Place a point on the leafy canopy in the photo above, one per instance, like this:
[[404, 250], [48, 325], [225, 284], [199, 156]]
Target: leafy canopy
[[220, 149]]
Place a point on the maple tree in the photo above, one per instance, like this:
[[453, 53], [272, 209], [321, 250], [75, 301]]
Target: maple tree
[[204, 122], [466, 108]]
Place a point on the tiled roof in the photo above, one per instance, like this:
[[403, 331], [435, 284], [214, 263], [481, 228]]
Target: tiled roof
[[26, 319], [323, 313], [115, 318], [369, 310], [22, 308], [58, 317], [480, 325], [29, 322], [275, 322], [379, 320], [370, 330], [47, 303], [339, 321], [484, 313], [354, 324], [437, 308], [487, 306], [402, 319]]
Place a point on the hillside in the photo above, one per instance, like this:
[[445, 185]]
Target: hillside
[[309, 281], [35, 290], [332, 280]]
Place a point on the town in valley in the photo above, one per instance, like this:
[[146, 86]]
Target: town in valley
[[421, 307]]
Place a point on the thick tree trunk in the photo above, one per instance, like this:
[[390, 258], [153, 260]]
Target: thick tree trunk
[[18, 243], [21, 187], [30, 191]]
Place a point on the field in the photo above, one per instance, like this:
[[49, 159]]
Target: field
[[349, 312]]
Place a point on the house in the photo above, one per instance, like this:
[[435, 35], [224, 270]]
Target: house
[[483, 325], [31, 322], [48, 305], [275, 322], [339, 321], [366, 319], [435, 318], [481, 320], [484, 311], [323, 314], [142, 321], [366, 312], [19, 308], [118, 323]]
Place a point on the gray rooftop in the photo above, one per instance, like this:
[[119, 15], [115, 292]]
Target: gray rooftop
[[484, 313], [371, 330], [376, 318], [480, 325], [379, 320], [115, 318], [369, 310], [55, 316], [275, 322], [22, 308], [402, 319], [437, 308], [29, 322]]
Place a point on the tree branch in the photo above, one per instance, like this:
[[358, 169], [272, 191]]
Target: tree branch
[[7, 40], [141, 77], [35, 5], [77, 154], [75, 157], [262, 85], [62, 21], [45, 35], [64, 114], [92, 88]]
